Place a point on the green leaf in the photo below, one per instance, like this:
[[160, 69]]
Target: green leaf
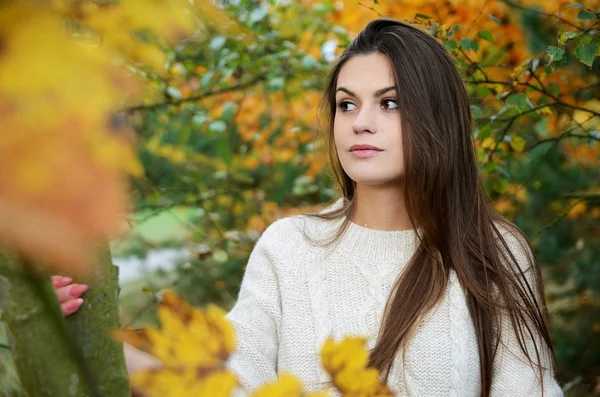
[[468, 44], [575, 5], [276, 84], [517, 143], [483, 92], [476, 112], [486, 35], [519, 100], [224, 150], [422, 16], [228, 111], [555, 53], [218, 126], [500, 185], [452, 30], [541, 127], [586, 54], [259, 13], [585, 15], [217, 43], [494, 56], [451, 44], [554, 89], [484, 132], [563, 36], [309, 63], [493, 18], [199, 119], [174, 92], [206, 78], [220, 256]]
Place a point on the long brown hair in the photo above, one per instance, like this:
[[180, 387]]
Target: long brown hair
[[458, 227]]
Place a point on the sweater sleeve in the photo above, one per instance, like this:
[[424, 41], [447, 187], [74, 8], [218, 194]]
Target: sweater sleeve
[[514, 375], [256, 317]]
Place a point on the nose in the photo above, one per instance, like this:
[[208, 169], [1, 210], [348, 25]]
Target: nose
[[365, 122]]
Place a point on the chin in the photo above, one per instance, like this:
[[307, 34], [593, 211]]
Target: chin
[[375, 180]]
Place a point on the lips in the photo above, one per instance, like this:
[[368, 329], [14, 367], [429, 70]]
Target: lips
[[364, 147], [363, 151]]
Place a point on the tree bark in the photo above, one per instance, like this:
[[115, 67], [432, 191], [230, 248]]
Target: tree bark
[[91, 327], [37, 334], [77, 357]]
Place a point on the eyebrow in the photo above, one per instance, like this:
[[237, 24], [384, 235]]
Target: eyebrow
[[377, 93]]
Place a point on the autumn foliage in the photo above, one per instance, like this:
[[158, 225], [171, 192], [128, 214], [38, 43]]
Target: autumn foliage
[[194, 346], [113, 109]]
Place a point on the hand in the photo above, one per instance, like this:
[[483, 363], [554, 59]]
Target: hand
[[69, 295]]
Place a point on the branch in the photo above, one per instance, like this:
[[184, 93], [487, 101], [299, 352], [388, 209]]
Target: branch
[[555, 103], [198, 97], [505, 130], [547, 14], [371, 8], [473, 63], [561, 137], [474, 20], [585, 196], [559, 217], [544, 89], [531, 110]]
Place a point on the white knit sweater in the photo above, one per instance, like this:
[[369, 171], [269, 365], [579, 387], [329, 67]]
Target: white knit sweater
[[295, 294]]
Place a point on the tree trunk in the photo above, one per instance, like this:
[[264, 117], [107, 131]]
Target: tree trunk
[[76, 357], [91, 327], [37, 334]]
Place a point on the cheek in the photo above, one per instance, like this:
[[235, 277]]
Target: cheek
[[338, 133]]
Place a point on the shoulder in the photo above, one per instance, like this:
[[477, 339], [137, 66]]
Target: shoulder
[[514, 246], [302, 232]]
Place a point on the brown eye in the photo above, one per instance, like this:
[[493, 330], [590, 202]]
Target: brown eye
[[389, 104], [346, 106]]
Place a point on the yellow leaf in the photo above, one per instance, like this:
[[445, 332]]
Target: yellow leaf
[[517, 143], [577, 210], [63, 162], [188, 338], [346, 362], [488, 143], [184, 383], [285, 386]]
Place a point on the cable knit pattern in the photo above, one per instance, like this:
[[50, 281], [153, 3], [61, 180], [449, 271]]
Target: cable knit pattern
[[295, 293], [459, 322]]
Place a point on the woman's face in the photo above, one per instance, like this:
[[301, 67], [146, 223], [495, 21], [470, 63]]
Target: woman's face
[[367, 130]]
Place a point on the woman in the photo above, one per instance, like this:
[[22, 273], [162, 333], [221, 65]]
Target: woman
[[413, 256]]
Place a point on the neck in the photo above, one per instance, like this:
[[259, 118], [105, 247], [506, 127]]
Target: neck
[[381, 208]]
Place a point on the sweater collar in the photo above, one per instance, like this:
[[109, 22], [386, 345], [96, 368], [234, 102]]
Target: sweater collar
[[373, 244]]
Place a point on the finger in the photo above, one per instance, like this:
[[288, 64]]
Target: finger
[[70, 291], [60, 281], [71, 306]]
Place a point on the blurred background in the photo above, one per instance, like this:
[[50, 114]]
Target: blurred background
[[222, 119]]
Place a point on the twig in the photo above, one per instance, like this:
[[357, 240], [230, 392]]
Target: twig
[[561, 137], [584, 197], [555, 103], [504, 132], [478, 15], [148, 305], [195, 98], [547, 14], [537, 164], [530, 110], [561, 216], [371, 8]]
